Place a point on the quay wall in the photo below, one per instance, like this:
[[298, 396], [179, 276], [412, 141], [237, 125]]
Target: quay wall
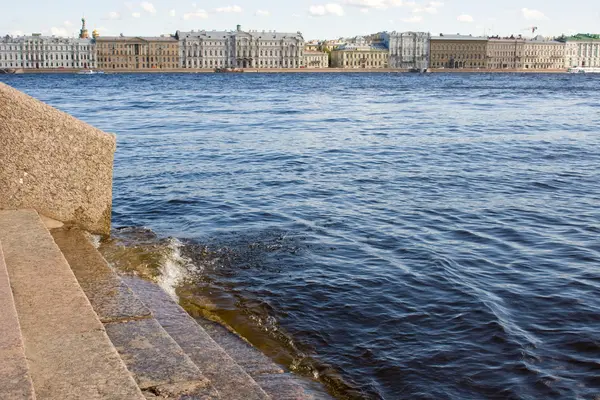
[[297, 70], [54, 163]]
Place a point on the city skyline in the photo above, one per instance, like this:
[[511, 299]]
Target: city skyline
[[315, 19]]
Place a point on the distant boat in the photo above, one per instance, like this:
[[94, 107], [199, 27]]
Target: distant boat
[[584, 70], [90, 72]]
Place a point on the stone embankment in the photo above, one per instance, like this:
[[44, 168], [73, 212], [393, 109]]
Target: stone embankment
[[71, 327]]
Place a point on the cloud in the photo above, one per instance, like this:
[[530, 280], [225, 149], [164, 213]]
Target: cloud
[[199, 13], [58, 31], [129, 5], [114, 15], [17, 33], [428, 10], [172, 13], [262, 13], [68, 23], [533, 15], [464, 18], [364, 10], [327, 9], [379, 4], [136, 15], [148, 7], [229, 9], [413, 19]]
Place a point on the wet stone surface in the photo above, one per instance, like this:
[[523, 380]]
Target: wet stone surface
[[110, 297], [151, 355]]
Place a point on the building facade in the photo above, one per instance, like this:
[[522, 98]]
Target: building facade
[[361, 55], [540, 53], [458, 51], [407, 50], [240, 49], [316, 59], [135, 53], [505, 53], [582, 51], [46, 52]]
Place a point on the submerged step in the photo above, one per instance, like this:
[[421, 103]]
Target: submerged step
[[111, 299], [15, 382], [225, 374], [69, 353], [159, 366]]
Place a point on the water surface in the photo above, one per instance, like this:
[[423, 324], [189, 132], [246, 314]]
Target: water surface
[[395, 236]]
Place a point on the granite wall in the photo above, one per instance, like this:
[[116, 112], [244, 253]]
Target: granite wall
[[54, 163]]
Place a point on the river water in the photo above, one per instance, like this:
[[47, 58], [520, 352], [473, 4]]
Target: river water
[[393, 236]]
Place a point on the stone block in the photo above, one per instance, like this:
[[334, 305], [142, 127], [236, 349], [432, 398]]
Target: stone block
[[54, 163]]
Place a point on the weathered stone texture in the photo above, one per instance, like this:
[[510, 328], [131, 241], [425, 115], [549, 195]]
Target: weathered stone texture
[[54, 163]]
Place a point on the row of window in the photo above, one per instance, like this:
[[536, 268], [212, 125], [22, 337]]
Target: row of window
[[139, 66], [260, 63], [44, 65], [125, 59], [9, 56]]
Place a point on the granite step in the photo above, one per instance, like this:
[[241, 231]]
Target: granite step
[[68, 351], [158, 364], [278, 383], [15, 382], [229, 378]]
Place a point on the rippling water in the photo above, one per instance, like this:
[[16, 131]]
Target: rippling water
[[395, 236]]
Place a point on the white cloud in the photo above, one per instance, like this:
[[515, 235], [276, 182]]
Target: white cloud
[[114, 15], [17, 33], [263, 13], [136, 15], [329, 8], [364, 10], [428, 10], [380, 4], [464, 18], [199, 13], [172, 13], [129, 5], [534, 15], [148, 7], [68, 23], [229, 9], [436, 4], [413, 19], [59, 31]]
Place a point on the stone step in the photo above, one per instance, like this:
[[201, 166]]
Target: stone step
[[158, 364], [278, 383], [15, 382], [231, 380], [68, 351]]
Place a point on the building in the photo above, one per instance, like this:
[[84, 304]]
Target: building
[[458, 51], [360, 55], [135, 53], [313, 45], [541, 53], [46, 52], [316, 59], [407, 50], [240, 49], [505, 53], [582, 50]]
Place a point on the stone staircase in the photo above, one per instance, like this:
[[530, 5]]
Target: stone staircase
[[73, 329]]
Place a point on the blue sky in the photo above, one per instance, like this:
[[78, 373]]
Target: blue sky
[[314, 18]]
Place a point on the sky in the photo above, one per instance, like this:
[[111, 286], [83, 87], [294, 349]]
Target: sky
[[316, 19]]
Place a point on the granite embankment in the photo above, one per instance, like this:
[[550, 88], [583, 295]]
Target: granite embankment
[[299, 70], [54, 163], [72, 328]]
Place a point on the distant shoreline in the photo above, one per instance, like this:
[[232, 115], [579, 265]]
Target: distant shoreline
[[296, 70]]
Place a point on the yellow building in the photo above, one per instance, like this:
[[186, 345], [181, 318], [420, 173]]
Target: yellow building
[[458, 51], [540, 53], [359, 56], [135, 53], [505, 53]]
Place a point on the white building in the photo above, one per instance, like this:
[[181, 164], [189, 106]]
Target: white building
[[45, 52], [581, 51], [541, 53], [240, 49], [316, 59], [407, 50]]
